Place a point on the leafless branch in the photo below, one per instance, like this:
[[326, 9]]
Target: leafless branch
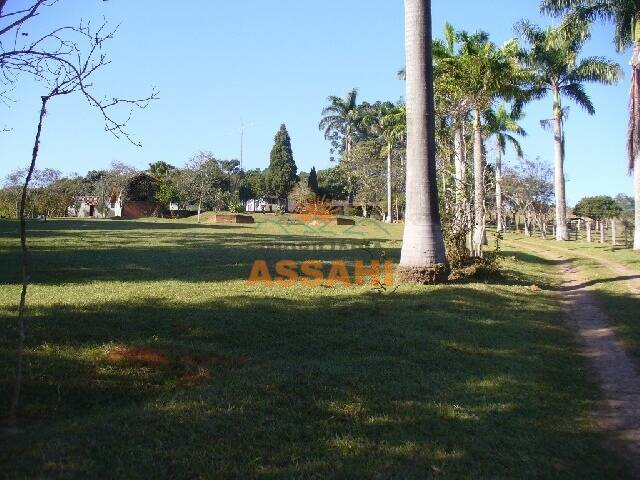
[[63, 61], [23, 15]]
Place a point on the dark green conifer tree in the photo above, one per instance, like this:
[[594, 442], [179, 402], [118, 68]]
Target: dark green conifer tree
[[282, 172], [312, 181]]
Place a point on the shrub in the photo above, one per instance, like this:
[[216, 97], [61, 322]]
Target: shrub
[[351, 212]]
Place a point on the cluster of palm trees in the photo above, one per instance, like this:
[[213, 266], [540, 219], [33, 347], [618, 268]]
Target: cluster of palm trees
[[474, 78], [625, 17], [481, 88], [346, 123], [465, 94]]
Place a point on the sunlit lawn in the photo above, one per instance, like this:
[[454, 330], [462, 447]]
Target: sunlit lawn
[[474, 380], [619, 253], [621, 305]]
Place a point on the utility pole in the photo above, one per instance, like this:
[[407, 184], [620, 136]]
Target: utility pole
[[241, 143], [243, 127]]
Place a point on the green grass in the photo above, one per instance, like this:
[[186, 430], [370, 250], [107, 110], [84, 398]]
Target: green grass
[[619, 253], [468, 380], [608, 286]]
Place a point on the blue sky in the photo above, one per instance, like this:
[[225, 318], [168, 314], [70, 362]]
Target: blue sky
[[219, 62]]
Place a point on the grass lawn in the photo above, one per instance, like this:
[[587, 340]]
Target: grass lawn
[[619, 253], [149, 356], [622, 308]]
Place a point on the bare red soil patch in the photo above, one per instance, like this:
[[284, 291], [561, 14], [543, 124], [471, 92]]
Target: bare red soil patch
[[194, 379], [143, 355], [213, 359], [191, 369]]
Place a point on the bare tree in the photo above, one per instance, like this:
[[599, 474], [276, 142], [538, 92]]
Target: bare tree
[[63, 61], [202, 180], [529, 188]]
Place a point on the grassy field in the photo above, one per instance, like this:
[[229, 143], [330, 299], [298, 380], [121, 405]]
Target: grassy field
[[149, 356], [609, 287], [619, 253]]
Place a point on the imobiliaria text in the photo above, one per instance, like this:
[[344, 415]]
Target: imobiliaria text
[[317, 273]]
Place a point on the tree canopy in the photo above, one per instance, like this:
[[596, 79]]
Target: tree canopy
[[600, 207]]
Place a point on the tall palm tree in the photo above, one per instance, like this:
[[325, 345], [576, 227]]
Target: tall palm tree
[[553, 60], [451, 100], [393, 123], [423, 251], [503, 125], [485, 73], [340, 121], [388, 122], [625, 15]]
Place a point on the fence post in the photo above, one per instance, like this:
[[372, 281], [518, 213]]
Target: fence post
[[613, 232]]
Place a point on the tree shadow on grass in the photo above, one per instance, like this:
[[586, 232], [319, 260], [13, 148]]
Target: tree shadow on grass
[[509, 274], [224, 257], [454, 381], [219, 257], [72, 226], [597, 281], [623, 310]]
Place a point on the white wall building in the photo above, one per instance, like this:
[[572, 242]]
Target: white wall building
[[87, 206], [261, 205], [174, 207]]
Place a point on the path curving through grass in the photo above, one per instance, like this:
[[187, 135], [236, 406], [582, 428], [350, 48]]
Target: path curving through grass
[[616, 371]]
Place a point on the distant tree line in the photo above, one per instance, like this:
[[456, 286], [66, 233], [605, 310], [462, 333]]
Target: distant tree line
[[206, 183]]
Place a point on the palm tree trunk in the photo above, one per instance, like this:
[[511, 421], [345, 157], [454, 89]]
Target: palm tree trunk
[[499, 219], [349, 145], [562, 234], [478, 194], [389, 193], [423, 245], [444, 188], [614, 239], [397, 209], [458, 160], [636, 183], [633, 143]]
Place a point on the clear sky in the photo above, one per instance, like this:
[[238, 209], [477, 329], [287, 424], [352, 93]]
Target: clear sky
[[219, 62]]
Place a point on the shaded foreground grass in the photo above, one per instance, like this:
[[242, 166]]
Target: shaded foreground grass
[[470, 380]]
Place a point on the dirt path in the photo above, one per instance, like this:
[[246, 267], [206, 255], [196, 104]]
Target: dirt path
[[619, 379]]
